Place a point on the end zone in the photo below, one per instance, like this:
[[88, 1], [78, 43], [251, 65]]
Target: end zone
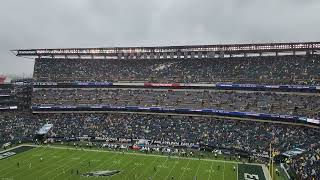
[[13, 151], [252, 172]]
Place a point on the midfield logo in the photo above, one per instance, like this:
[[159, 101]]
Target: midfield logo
[[101, 173]]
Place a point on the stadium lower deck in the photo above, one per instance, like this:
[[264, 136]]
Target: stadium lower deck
[[54, 162]]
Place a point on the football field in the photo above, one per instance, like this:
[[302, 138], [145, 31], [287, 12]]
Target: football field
[[31, 163]]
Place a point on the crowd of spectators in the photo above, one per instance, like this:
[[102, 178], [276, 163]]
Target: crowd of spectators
[[16, 126], [7, 96], [15, 95], [300, 104], [263, 70], [307, 165], [244, 135]]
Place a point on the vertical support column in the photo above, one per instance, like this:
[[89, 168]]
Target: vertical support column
[[192, 55], [221, 55]]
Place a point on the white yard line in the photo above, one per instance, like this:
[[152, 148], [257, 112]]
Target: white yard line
[[185, 169], [224, 165], [237, 171], [210, 171], [198, 169]]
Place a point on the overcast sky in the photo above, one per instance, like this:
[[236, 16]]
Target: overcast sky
[[104, 23]]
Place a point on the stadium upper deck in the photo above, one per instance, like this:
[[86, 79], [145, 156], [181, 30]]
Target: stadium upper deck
[[272, 63]]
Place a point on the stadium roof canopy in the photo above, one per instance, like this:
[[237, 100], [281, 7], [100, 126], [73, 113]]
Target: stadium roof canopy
[[196, 51]]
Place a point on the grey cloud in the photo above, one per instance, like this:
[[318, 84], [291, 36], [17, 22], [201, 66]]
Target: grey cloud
[[102, 23]]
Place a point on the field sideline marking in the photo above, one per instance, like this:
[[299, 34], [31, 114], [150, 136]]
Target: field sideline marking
[[237, 171], [198, 169], [140, 154], [266, 172], [224, 166]]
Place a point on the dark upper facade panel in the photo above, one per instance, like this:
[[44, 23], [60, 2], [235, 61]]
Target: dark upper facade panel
[[197, 51]]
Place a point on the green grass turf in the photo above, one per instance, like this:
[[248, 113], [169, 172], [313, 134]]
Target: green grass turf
[[58, 163]]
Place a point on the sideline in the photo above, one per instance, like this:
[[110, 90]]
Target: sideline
[[141, 154], [266, 172], [12, 148]]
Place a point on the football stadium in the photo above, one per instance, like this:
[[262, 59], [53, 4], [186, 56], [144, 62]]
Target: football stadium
[[227, 111]]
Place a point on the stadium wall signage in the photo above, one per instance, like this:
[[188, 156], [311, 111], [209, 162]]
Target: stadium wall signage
[[9, 108], [221, 86]]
